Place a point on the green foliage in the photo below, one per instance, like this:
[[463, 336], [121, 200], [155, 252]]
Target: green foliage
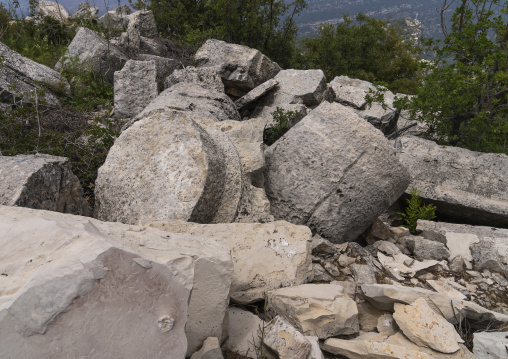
[[283, 120], [464, 99], [415, 211], [267, 25], [367, 49]]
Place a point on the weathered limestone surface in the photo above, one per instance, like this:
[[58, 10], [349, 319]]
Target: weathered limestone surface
[[490, 345], [266, 256], [86, 11], [240, 67], [117, 18], [357, 349], [321, 310], [143, 22], [333, 172], [88, 263], [285, 340], [52, 9], [207, 77], [210, 350], [266, 112], [41, 182], [135, 87], [256, 93], [89, 51], [464, 185], [164, 67]]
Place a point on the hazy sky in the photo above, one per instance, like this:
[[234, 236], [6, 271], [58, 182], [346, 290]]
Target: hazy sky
[[71, 5]]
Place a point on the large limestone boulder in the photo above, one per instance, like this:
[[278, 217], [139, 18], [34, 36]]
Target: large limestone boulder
[[176, 170], [333, 172], [490, 345], [143, 22], [164, 65], [41, 182], [306, 87], [266, 256], [135, 87], [81, 285], [285, 340], [384, 296], [464, 185], [90, 52], [117, 19], [86, 11], [241, 67], [256, 93], [206, 77], [321, 310], [52, 9]]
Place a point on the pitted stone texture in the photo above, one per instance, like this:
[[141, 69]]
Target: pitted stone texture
[[286, 341], [334, 173], [60, 293], [164, 67], [266, 112], [41, 182], [209, 350], [143, 23], [89, 51], [117, 19], [305, 87], [426, 328], [240, 66], [266, 256], [490, 345], [426, 249], [321, 310], [52, 9], [256, 93], [135, 87], [357, 349], [207, 77], [383, 297], [86, 11], [464, 185], [65, 243], [174, 171], [487, 247]]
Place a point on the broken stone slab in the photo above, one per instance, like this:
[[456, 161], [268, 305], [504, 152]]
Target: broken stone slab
[[315, 352], [368, 316], [356, 349], [424, 249], [266, 256], [384, 119], [425, 327], [386, 325], [52, 9], [446, 175], [305, 87], [378, 231], [487, 247], [70, 239], [41, 182], [285, 340], [206, 77], [86, 11], [324, 173], [176, 170], [321, 246], [241, 67], [363, 274], [90, 52], [116, 19], [384, 296], [445, 288], [256, 93], [320, 274], [143, 23], [210, 350], [164, 67], [321, 310], [135, 87], [32, 70], [490, 345], [245, 333]]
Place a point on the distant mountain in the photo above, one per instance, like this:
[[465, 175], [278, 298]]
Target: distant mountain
[[332, 11], [72, 5]]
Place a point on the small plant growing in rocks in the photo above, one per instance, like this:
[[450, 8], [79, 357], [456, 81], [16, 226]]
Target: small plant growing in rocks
[[283, 120], [415, 210]]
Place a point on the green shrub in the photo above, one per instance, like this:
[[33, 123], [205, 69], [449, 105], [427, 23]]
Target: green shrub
[[415, 210], [282, 123]]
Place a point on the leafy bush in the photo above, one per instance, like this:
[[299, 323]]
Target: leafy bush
[[282, 123], [415, 210]]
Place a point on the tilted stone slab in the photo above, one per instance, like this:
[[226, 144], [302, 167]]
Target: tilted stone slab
[[135, 87], [256, 93], [285, 340], [490, 345], [206, 77], [240, 66], [41, 182], [52, 9], [358, 349], [266, 256], [464, 185], [86, 11], [333, 172], [82, 285]]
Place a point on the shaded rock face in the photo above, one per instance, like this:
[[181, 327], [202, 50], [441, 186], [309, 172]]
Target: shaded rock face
[[89, 51], [206, 77], [117, 18], [52, 9], [465, 186], [266, 256], [135, 87], [240, 67], [285, 340], [88, 263], [41, 182], [334, 173], [143, 22], [490, 345], [86, 11], [164, 67]]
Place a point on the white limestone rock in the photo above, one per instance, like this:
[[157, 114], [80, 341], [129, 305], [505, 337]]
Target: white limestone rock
[[207, 77], [52, 9], [490, 345], [356, 349], [209, 350], [116, 19], [256, 93], [143, 23], [286, 341]]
